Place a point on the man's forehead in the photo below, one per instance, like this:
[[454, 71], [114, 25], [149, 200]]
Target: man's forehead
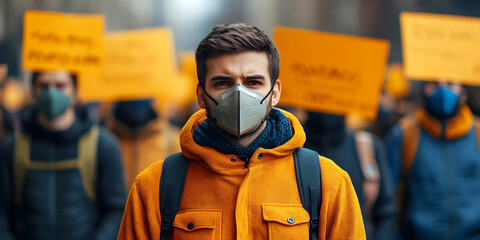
[[54, 76], [248, 59]]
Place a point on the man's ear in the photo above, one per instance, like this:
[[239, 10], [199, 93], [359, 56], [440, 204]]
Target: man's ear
[[76, 98], [201, 97], [276, 92]]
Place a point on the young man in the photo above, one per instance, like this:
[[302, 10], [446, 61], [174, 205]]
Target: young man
[[61, 175], [241, 181], [436, 166]]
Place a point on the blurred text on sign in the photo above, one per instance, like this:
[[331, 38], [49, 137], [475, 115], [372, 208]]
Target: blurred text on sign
[[138, 64], [54, 41], [441, 47], [331, 73]]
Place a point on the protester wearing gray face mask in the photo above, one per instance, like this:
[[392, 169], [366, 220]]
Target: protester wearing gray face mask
[[236, 177]]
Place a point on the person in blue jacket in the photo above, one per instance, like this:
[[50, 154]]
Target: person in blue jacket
[[61, 175], [435, 161], [363, 157]]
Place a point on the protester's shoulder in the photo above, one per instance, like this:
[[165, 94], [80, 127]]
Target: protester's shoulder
[[150, 176], [105, 136], [108, 149], [107, 141]]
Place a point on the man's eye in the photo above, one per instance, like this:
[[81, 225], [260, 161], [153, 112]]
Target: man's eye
[[254, 82], [221, 83]]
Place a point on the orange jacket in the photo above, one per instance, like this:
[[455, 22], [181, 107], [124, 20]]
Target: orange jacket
[[224, 200], [151, 143]]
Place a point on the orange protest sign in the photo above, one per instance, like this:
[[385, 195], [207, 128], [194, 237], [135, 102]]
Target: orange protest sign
[[437, 47], [188, 69], [138, 64], [331, 73], [53, 41]]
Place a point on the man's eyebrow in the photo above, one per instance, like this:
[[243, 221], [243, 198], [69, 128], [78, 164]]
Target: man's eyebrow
[[217, 78], [255, 76]]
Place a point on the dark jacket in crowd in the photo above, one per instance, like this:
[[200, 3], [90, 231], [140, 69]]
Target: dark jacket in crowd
[[6, 124], [327, 134]]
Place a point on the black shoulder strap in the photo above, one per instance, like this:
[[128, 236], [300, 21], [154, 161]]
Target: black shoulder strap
[[307, 168], [172, 181]]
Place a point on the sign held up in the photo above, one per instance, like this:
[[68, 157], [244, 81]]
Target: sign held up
[[53, 41], [138, 64], [441, 47], [331, 73]]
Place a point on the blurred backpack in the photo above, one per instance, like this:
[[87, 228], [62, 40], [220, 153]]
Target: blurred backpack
[[85, 162]]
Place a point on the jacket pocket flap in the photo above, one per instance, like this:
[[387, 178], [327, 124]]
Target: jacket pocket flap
[[191, 220], [287, 214]]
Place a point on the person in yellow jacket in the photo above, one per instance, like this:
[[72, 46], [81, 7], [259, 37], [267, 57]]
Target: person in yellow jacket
[[145, 136], [241, 181]]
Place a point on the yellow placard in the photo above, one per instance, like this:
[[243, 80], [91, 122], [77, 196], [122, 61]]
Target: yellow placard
[[441, 47], [138, 64], [331, 73], [188, 69], [72, 42]]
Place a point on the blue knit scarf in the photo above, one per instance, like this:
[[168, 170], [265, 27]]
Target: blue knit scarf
[[276, 133]]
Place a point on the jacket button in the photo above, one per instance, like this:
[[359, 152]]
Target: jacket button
[[260, 156], [290, 220], [190, 226], [233, 159]]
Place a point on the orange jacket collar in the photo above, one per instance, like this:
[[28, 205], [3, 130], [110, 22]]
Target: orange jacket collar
[[219, 162], [455, 128]]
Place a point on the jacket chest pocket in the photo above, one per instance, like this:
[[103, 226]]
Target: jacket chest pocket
[[197, 224], [286, 221]]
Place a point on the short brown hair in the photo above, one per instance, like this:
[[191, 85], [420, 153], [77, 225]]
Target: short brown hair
[[37, 74], [231, 38]]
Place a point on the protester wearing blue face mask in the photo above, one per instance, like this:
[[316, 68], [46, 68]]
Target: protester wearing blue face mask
[[436, 164], [61, 175]]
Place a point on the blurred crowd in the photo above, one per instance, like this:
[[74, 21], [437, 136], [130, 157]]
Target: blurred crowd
[[415, 169]]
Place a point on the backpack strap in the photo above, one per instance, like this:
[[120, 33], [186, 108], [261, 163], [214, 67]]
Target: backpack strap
[[477, 130], [410, 140], [307, 169], [87, 156], [371, 173], [172, 182], [21, 161], [411, 137]]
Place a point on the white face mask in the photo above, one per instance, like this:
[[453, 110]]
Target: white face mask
[[239, 110]]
